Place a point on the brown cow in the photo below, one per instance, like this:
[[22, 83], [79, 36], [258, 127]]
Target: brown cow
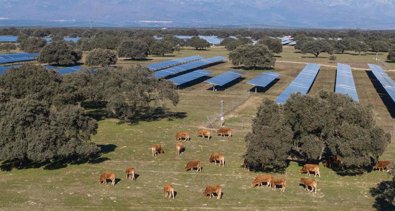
[[307, 168], [307, 182], [382, 165], [183, 135], [169, 191], [213, 189], [107, 176], [262, 178], [278, 182], [180, 148], [217, 157], [130, 173], [204, 133], [224, 131], [194, 164], [157, 149]]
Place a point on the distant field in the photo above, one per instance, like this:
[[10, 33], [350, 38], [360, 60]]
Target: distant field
[[76, 187]]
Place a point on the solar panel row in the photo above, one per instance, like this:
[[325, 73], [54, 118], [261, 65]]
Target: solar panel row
[[194, 75], [166, 64], [68, 70], [188, 66], [384, 79], [17, 57], [8, 38], [224, 78], [301, 84], [264, 79], [345, 82]]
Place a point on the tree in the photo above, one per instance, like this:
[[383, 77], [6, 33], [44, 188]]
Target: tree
[[32, 44], [101, 57], [391, 55], [161, 48], [379, 46], [342, 45], [198, 43], [59, 53], [273, 44], [7, 47], [313, 129], [316, 47], [136, 49], [252, 56], [384, 194], [231, 43]]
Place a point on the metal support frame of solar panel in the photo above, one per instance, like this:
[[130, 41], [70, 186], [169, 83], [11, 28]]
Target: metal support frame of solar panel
[[302, 83], [166, 64], [384, 79], [68, 70], [345, 82], [185, 78], [17, 57], [264, 79], [187, 67], [224, 78]]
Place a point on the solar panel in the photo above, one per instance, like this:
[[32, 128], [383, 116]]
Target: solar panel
[[386, 81], [8, 38], [166, 64], [3, 69], [345, 82], [264, 79], [17, 57], [68, 70], [224, 78], [301, 84], [182, 79], [188, 66]]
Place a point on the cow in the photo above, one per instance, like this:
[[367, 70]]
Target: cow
[[332, 161], [213, 189], [157, 149], [183, 135], [130, 173], [307, 182], [278, 182], [262, 178], [307, 168], [204, 133], [107, 176], [217, 157], [382, 165], [224, 131], [180, 148], [194, 164], [169, 191]]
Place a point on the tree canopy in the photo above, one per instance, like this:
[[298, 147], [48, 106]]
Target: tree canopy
[[59, 53], [252, 56], [316, 47], [134, 49], [32, 44], [162, 47], [198, 43], [273, 44], [101, 57]]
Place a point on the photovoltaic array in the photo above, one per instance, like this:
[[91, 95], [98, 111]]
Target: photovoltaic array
[[8, 38], [17, 57], [68, 70], [264, 79], [3, 69], [166, 64], [185, 78], [224, 78], [187, 67], [345, 82], [301, 84], [387, 83]]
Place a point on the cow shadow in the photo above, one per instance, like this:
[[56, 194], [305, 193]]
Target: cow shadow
[[117, 180]]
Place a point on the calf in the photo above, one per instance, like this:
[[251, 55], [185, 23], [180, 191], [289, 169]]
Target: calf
[[224, 131], [194, 164], [169, 191], [157, 149], [217, 157], [107, 176], [260, 179], [278, 182], [183, 135], [382, 165], [213, 189], [130, 173], [180, 148], [307, 168], [307, 182], [204, 133]]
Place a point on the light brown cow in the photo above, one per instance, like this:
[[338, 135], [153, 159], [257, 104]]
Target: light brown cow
[[262, 178], [169, 191], [382, 165], [204, 133], [217, 157], [107, 176], [278, 182], [224, 131], [157, 149], [180, 148], [307, 168], [194, 164], [213, 189], [130, 173], [183, 136], [307, 182]]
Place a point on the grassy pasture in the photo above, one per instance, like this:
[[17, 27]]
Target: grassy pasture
[[76, 187]]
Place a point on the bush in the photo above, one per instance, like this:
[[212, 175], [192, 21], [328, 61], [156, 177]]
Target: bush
[[59, 53], [101, 57]]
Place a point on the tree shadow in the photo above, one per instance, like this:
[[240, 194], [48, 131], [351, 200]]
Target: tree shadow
[[383, 197], [154, 114], [140, 59], [390, 61], [382, 93]]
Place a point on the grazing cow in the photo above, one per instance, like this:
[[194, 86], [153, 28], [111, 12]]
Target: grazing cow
[[204, 133], [213, 189], [169, 191], [307, 168], [278, 182], [262, 178], [224, 131], [183, 135], [130, 173], [307, 182], [107, 176], [180, 148], [194, 164], [157, 149], [382, 165], [217, 157]]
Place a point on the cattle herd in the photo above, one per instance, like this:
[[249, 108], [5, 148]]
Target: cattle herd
[[267, 180]]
